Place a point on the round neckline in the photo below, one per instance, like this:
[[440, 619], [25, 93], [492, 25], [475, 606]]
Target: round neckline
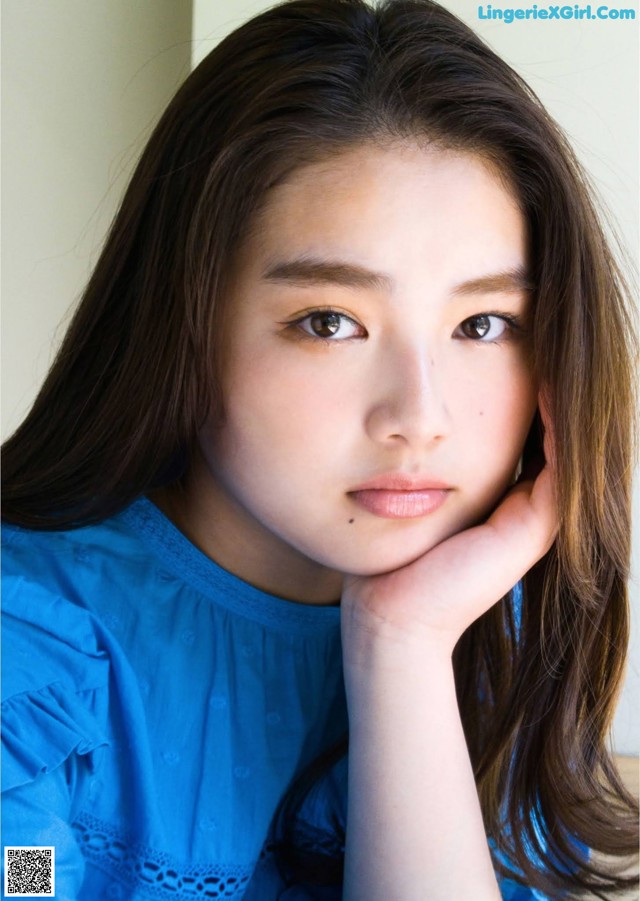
[[180, 557]]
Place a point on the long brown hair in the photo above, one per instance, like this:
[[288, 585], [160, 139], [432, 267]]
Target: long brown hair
[[137, 375]]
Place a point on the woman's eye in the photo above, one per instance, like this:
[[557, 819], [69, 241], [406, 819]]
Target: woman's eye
[[485, 327], [328, 324]]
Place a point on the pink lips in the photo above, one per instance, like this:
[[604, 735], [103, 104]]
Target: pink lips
[[397, 496]]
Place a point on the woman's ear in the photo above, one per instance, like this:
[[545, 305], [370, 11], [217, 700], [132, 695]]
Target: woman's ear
[[532, 459], [519, 469], [548, 439]]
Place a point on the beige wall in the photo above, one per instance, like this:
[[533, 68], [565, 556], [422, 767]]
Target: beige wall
[[82, 83], [83, 80]]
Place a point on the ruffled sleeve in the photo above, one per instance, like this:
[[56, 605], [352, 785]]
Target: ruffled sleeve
[[54, 683], [42, 729], [54, 721]]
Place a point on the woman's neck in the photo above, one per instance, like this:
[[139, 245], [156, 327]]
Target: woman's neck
[[224, 532]]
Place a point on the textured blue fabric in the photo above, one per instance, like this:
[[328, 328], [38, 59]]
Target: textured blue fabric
[[155, 708]]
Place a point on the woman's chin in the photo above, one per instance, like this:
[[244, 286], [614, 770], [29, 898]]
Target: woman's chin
[[377, 557], [367, 564]]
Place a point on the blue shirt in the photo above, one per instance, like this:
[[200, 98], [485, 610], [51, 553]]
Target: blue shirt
[[155, 709]]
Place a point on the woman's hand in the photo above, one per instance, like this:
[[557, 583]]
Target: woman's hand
[[437, 596], [414, 825]]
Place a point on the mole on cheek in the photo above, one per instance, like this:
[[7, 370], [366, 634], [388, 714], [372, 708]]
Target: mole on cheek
[[350, 521]]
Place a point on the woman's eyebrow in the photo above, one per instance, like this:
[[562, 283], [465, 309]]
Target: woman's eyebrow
[[310, 271], [507, 282], [307, 270]]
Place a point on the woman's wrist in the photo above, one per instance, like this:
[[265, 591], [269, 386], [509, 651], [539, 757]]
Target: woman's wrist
[[415, 826], [372, 646]]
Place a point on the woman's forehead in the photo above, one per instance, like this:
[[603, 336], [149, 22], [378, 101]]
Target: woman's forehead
[[374, 203]]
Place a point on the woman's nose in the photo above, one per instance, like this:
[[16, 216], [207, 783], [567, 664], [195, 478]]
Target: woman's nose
[[408, 403]]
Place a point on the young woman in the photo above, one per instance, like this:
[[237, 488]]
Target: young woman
[[322, 406]]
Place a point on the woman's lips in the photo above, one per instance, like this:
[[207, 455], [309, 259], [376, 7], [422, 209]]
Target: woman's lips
[[394, 504], [398, 496]]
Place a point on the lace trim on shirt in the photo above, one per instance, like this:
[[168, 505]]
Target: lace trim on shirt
[[154, 872], [189, 564]]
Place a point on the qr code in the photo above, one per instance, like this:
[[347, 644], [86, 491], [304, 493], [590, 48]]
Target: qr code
[[29, 872]]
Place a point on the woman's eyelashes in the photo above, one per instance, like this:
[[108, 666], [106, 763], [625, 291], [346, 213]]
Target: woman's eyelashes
[[489, 328], [331, 325], [326, 325]]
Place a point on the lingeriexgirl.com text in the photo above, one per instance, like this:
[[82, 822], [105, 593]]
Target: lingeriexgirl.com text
[[573, 11]]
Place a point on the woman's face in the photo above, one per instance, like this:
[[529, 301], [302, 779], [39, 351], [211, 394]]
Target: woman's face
[[377, 389]]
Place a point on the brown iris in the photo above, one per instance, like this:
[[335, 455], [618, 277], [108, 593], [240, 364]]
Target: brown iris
[[325, 325], [476, 326]]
